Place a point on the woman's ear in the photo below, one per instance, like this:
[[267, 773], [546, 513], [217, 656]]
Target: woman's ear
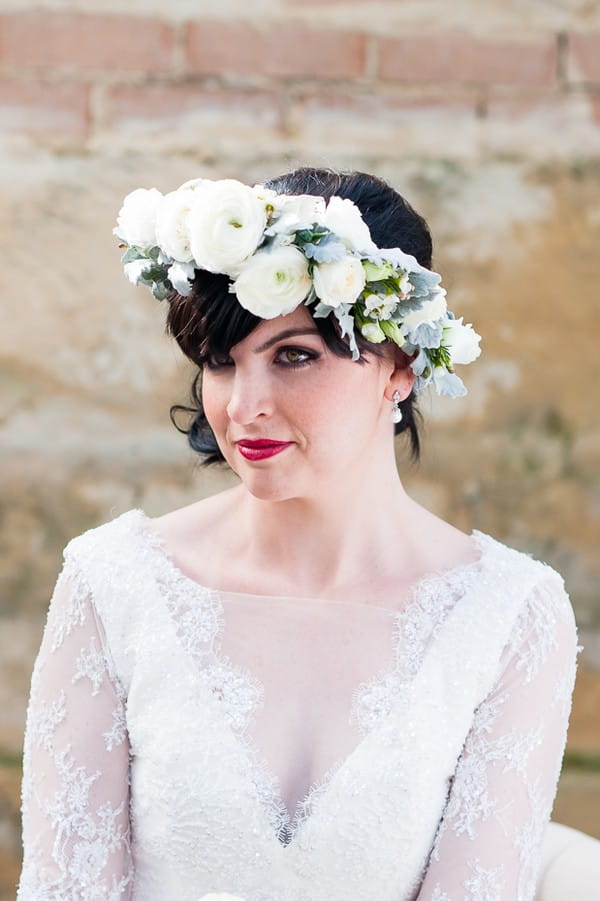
[[402, 377]]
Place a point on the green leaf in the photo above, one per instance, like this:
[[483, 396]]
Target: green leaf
[[132, 254]]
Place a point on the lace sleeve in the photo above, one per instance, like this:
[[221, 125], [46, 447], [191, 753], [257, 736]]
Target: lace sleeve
[[76, 762], [488, 843]]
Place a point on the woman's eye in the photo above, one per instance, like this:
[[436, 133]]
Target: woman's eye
[[294, 356], [213, 361]]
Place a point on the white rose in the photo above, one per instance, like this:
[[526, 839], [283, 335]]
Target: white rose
[[431, 311], [295, 212], [136, 222], [344, 219], [340, 282], [172, 231], [226, 224], [273, 283], [461, 341]]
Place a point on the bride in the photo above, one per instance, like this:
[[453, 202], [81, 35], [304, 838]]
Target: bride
[[306, 687]]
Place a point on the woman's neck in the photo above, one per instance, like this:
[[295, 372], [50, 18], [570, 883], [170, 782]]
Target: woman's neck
[[326, 541]]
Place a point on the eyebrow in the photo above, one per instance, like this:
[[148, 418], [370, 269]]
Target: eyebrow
[[288, 333]]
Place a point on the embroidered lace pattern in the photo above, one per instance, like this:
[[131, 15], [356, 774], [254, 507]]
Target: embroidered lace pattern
[[213, 818], [75, 817], [415, 626], [198, 617], [508, 745]]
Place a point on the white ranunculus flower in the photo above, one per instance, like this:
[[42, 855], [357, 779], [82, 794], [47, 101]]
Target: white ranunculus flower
[[226, 225], [266, 195], [295, 212], [273, 283], [136, 222], [191, 183], [431, 311], [172, 231], [461, 341], [344, 219], [339, 282]]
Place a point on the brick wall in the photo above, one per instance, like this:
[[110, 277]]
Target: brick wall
[[337, 77]]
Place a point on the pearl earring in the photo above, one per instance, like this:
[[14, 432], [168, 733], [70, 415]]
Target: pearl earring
[[396, 411]]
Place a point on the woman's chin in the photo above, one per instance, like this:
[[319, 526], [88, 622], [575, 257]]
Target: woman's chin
[[267, 487]]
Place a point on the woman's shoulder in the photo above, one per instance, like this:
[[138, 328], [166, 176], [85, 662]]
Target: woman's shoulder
[[116, 532], [546, 609], [131, 526], [506, 559]]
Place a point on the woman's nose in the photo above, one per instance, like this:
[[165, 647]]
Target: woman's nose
[[250, 398]]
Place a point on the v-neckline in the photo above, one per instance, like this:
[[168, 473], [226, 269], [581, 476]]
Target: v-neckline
[[288, 825]]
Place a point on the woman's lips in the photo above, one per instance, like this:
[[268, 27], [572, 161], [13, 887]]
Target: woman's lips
[[261, 448]]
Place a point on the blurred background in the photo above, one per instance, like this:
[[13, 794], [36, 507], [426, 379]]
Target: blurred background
[[485, 116]]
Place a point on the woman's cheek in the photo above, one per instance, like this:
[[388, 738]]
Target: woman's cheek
[[214, 403]]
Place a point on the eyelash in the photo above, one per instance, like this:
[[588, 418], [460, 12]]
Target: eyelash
[[213, 363], [309, 355]]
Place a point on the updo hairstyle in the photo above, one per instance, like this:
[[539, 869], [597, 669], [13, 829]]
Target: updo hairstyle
[[209, 322]]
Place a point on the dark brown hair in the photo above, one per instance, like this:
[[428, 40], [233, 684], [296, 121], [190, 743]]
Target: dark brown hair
[[210, 321]]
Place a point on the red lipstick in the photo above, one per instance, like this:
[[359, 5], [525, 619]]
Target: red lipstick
[[261, 448]]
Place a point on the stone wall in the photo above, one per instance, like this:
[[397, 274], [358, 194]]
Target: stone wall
[[486, 116]]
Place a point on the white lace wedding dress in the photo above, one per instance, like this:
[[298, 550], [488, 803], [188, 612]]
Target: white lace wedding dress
[[183, 740]]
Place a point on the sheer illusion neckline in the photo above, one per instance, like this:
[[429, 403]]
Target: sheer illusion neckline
[[427, 604], [424, 583]]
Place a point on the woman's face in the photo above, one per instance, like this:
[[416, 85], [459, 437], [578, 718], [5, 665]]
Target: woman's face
[[290, 417]]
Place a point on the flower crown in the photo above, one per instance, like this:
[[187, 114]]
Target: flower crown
[[283, 250]]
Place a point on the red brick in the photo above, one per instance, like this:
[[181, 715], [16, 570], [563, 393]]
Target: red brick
[[160, 107], [86, 42], [584, 58], [277, 50], [459, 57], [53, 110]]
